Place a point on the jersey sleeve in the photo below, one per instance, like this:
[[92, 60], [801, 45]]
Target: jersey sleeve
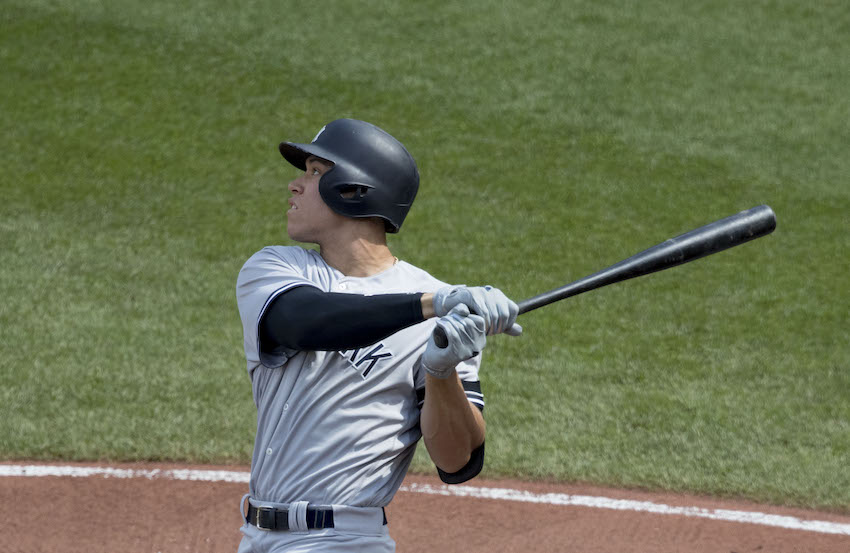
[[468, 373], [267, 274]]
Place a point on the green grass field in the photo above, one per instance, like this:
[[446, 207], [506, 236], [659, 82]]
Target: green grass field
[[140, 170]]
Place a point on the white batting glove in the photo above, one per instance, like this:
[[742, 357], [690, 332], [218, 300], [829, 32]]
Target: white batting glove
[[498, 310], [466, 338]]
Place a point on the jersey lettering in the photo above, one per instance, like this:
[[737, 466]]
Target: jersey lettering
[[372, 357]]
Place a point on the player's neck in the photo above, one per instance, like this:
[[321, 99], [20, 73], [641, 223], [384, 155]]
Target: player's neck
[[358, 254]]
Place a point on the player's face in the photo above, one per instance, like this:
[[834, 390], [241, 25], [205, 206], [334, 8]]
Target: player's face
[[309, 218]]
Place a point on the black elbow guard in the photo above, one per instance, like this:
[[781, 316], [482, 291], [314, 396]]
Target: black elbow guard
[[470, 471]]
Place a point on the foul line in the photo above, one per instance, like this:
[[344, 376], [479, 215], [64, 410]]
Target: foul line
[[502, 494], [750, 517]]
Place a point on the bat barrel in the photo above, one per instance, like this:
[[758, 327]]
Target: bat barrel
[[712, 238]]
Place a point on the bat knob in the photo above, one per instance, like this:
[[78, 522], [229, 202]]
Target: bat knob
[[440, 338]]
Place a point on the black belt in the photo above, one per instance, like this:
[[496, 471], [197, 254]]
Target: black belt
[[270, 518]]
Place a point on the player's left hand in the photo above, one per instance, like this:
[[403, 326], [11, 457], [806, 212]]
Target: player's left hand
[[466, 338], [499, 311]]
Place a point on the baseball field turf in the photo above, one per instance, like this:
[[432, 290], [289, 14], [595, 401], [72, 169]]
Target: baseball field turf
[[140, 170]]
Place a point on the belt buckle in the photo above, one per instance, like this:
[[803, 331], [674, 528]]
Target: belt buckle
[[261, 510]]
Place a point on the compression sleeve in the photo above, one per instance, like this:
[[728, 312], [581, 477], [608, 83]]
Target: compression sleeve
[[306, 318]]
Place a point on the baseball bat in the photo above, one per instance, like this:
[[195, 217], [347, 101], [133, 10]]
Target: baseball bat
[[706, 240]]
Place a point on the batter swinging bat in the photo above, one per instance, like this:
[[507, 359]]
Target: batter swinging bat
[[711, 238]]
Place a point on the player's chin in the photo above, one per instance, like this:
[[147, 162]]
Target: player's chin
[[297, 233]]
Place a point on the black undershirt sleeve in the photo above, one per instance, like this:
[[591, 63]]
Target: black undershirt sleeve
[[306, 318]]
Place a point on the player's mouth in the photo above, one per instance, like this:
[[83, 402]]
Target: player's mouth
[[292, 206]]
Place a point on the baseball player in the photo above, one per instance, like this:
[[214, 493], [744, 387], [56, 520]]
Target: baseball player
[[339, 341]]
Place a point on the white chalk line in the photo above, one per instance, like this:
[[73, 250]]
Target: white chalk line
[[750, 517], [503, 494]]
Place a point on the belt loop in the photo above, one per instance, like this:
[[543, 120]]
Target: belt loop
[[242, 510], [298, 517]]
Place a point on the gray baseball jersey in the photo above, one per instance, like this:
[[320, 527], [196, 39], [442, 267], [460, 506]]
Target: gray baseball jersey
[[334, 427]]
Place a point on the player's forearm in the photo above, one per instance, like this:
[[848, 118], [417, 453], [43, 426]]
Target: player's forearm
[[451, 426]]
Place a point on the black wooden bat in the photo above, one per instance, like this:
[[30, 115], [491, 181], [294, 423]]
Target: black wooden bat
[[711, 238]]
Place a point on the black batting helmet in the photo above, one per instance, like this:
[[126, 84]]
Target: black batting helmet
[[373, 174]]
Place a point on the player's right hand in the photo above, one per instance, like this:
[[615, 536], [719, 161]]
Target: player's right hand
[[466, 337], [498, 310]]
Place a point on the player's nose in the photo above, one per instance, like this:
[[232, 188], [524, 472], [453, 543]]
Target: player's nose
[[295, 186]]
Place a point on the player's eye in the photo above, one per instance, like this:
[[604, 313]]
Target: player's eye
[[316, 171]]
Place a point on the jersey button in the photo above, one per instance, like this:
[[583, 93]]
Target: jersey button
[[285, 406], [269, 451], [343, 286]]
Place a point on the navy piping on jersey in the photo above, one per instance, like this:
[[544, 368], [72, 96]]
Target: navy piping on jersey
[[473, 394]]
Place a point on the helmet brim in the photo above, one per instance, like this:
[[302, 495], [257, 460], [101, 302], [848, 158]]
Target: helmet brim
[[297, 154]]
